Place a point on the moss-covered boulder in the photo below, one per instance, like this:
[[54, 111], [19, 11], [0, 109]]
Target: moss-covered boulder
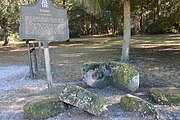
[[126, 77], [96, 74], [135, 104], [123, 75], [43, 108], [83, 99], [168, 95]]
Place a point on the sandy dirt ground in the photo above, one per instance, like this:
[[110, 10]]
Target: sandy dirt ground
[[158, 67]]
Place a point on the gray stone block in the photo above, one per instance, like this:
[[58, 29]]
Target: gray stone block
[[135, 104], [83, 99]]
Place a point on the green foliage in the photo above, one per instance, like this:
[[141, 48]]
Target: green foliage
[[1, 33], [95, 18], [154, 17], [88, 17], [9, 18], [156, 28], [78, 16]]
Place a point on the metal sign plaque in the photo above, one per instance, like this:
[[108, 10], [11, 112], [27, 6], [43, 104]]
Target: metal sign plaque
[[43, 22]]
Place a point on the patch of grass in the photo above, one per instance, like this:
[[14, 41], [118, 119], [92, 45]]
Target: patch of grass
[[156, 57]]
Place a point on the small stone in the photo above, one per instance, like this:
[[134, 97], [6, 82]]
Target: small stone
[[83, 99], [43, 108], [132, 103], [166, 96]]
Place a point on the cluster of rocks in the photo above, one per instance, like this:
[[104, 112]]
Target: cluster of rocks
[[163, 96], [45, 107], [121, 75]]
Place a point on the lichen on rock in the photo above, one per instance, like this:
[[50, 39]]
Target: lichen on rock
[[102, 74], [135, 104], [167, 95], [96, 74], [83, 99], [43, 108], [126, 77]]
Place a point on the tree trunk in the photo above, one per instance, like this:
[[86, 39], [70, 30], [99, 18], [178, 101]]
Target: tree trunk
[[158, 5], [127, 32], [141, 18], [64, 3], [6, 41], [5, 25]]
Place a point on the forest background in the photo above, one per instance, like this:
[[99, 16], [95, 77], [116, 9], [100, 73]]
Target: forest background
[[147, 17]]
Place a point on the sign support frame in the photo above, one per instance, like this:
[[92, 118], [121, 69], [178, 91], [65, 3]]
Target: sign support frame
[[30, 60], [40, 55], [35, 58]]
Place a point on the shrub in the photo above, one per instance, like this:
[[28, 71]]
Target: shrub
[[156, 28], [1, 33]]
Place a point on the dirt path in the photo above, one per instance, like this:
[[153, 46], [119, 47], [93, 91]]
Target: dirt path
[[16, 90], [13, 91]]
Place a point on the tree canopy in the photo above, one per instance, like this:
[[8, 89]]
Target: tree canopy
[[147, 16]]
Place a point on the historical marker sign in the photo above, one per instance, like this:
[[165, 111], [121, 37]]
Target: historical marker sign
[[43, 22]]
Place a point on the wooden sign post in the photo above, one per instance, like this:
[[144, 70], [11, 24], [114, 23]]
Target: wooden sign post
[[44, 23], [48, 68], [30, 60]]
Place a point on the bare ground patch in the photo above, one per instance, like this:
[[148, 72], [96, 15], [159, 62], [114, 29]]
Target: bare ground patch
[[158, 65]]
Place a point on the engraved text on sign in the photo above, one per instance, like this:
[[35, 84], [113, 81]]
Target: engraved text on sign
[[43, 22]]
